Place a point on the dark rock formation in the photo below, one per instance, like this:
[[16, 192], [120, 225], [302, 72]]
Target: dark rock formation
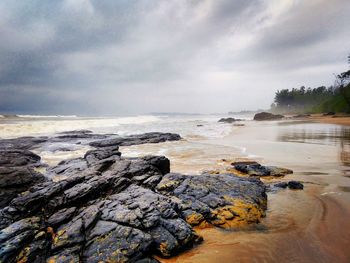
[[229, 120], [256, 169], [331, 113], [17, 173], [110, 214], [295, 185], [266, 116], [301, 116], [151, 137], [223, 200], [113, 209]]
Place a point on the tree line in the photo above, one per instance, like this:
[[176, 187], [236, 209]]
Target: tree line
[[335, 98]]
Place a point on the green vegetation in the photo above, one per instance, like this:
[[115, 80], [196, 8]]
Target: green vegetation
[[335, 98]]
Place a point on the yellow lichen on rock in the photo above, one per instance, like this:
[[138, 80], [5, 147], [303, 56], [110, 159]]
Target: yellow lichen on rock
[[194, 219], [238, 214]]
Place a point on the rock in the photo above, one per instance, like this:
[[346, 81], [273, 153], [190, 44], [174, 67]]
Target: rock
[[113, 209], [15, 180], [18, 157], [266, 116], [227, 120], [281, 185], [223, 200], [256, 169], [331, 113], [152, 137], [22, 143], [296, 185], [17, 173], [301, 116]]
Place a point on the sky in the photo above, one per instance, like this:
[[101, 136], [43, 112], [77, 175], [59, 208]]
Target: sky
[[95, 57]]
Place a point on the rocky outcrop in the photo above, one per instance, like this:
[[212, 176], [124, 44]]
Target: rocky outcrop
[[266, 116], [223, 200], [113, 209], [295, 185], [151, 137], [17, 173], [256, 169], [229, 120]]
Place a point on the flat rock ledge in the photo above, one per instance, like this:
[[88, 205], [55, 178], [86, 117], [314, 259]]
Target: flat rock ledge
[[115, 209]]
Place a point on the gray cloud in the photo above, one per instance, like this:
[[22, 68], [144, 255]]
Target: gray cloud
[[98, 57]]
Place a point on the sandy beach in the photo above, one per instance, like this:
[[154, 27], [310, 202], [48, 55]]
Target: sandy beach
[[300, 225], [340, 119]]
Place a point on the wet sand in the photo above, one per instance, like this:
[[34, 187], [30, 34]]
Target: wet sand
[[301, 226]]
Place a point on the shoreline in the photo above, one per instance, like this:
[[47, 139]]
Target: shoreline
[[302, 223], [335, 119]]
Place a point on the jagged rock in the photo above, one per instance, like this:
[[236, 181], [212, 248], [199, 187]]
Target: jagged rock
[[17, 173], [17, 157], [256, 169], [266, 116], [22, 143], [113, 209], [151, 137], [15, 180], [223, 200]]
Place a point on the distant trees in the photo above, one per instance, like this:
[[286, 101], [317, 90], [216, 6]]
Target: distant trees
[[320, 99]]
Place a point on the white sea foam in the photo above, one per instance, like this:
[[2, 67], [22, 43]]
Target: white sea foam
[[46, 116], [191, 127], [47, 126]]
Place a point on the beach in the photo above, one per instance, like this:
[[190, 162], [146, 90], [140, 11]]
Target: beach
[[300, 226]]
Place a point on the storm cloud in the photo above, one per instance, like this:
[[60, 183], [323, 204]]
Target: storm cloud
[[133, 57]]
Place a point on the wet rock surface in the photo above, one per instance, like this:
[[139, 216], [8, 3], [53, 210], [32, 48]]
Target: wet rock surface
[[17, 173], [229, 120], [266, 116], [107, 208], [223, 200], [256, 169], [151, 137]]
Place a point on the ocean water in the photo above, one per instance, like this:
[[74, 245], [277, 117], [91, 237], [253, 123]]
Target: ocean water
[[188, 126], [191, 155]]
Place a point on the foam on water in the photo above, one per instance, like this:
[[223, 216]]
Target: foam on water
[[191, 127]]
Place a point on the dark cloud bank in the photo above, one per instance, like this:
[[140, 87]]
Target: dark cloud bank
[[121, 57]]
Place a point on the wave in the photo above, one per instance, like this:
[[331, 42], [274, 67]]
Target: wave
[[45, 116], [46, 125]]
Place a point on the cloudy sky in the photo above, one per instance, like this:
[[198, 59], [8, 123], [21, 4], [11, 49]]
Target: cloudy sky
[[133, 57]]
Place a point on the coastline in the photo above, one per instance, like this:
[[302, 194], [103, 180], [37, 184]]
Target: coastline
[[335, 119], [299, 225]]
